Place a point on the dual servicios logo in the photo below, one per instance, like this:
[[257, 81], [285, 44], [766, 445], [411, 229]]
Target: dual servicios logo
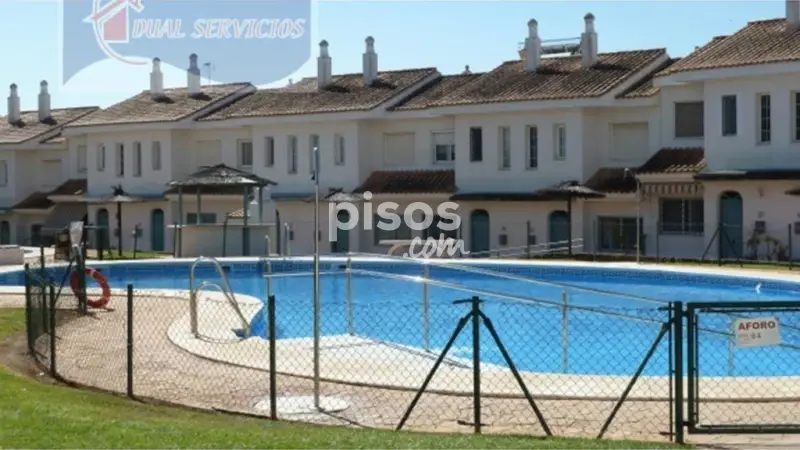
[[257, 41]]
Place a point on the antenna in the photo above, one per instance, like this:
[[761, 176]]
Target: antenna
[[210, 68]]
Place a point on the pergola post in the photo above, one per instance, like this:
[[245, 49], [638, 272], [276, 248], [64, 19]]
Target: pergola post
[[197, 216], [245, 228], [179, 234]]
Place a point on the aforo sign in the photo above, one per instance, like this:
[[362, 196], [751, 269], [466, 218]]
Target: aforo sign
[[757, 332]]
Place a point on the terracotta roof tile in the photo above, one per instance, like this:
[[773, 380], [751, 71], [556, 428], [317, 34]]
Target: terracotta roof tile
[[29, 127], [345, 93], [644, 87], [760, 42], [556, 79], [175, 105], [409, 182], [675, 160], [435, 91], [74, 186], [612, 180], [37, 200]]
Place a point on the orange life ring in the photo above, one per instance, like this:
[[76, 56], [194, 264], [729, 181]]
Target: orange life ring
[[99, 279]]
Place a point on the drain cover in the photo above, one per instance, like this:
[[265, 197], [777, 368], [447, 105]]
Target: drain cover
[[304, 405]]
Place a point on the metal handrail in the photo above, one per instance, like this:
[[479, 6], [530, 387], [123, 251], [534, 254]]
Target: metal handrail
[[226, 290], [494, 273], [545, 247], [561, 304]]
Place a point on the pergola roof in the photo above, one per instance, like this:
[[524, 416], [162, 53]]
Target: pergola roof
[[222, 175], [569, 189]]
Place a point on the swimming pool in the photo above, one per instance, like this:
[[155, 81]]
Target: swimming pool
[[614, 313]]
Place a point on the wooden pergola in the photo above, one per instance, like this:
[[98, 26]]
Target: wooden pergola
[[220, 178]]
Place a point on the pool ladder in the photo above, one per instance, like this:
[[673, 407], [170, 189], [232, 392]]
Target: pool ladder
[[224, 288]]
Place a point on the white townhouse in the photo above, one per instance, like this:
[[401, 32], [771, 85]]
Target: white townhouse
[[691, 146], [35, 166]]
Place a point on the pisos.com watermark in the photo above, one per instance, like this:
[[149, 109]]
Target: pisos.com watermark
[[437, 244]]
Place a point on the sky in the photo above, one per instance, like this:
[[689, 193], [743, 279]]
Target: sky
[[447, 34]]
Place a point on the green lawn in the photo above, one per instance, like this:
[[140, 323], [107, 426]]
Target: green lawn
[[127, 254], [39, 415]]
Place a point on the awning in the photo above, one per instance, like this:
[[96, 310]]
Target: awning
[[63, 214]]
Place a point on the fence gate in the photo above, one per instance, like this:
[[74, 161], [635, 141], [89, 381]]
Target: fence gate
[[743, 367]]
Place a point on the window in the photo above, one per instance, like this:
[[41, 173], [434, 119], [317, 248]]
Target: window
[[504, 134], [313, 142], [797, 116], [155, 154], [689, 119], [476, 144], [444, 148], [81, 159], [618, 234], [532, 138], [560, 142], [403, 232], [120, 160], [3, 173], [681, 216], [291, 151], [101, 157], [269, 151], [338, 149], [205, 218], [729, 115], [764, 119], [137, 159], [245, 153]]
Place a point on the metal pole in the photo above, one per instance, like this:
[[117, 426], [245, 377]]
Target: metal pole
[[528, 238], [273, 366], [426, 326], [564, 333], [268, 268], [350, 327], [287, 232], [316, 279]]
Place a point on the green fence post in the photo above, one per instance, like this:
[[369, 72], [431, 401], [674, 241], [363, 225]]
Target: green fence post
[[130, 342], [789, 240], [273, 366], [476, 363], [51, 307], [28, 308]]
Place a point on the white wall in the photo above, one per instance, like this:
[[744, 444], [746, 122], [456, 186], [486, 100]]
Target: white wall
[[487, 176], [668, 96], [420, 156], [603, 149], [150, 182], [743, 151]]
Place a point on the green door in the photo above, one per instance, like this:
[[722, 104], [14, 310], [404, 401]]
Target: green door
[[342, 244], [731, 224], [479, 234], [558, 230], [157, 230], [101, 221]]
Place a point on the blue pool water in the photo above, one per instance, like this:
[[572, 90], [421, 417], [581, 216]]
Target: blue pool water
[[606, 332]]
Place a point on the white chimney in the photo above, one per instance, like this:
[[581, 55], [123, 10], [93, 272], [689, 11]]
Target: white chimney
[[13, 105], [533, 47], [156, 80], [589, 42], [792, 14], [44, 102], [324, 68], [370, 62], [193, 75]]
